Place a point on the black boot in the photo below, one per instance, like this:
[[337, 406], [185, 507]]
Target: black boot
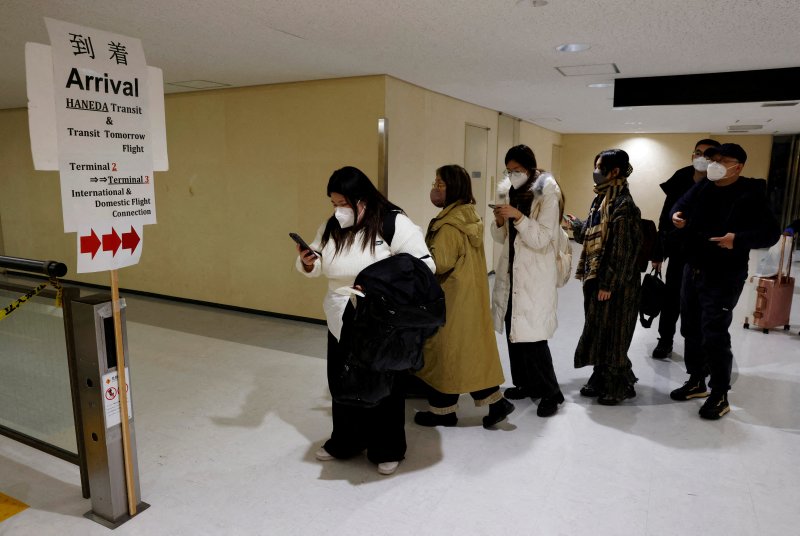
[[663, 349], [497, 412], [607, 400], [427, 418], [518, 393], [549, 405]]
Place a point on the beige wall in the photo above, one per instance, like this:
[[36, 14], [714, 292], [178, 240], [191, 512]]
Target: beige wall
[[541, 141], [248, 166], [426, 131], [654, 158], [30, 201]]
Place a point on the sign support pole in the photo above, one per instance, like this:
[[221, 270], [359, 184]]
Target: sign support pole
[[123, 394]]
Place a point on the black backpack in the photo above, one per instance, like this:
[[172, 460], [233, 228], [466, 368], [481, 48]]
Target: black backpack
[[649, 237], [387, 229]]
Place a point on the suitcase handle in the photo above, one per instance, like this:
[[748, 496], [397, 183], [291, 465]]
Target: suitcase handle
[[783, 278], [761, 298]]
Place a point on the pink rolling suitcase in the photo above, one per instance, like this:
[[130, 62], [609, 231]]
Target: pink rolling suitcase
[[774, 296]]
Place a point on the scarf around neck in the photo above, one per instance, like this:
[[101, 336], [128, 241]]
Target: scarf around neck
[[597, 227], [521, 200]]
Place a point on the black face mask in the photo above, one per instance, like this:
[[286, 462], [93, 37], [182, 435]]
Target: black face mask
[[599, 176]]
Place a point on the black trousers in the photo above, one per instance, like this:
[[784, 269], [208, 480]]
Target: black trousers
[[531, 363], [446, 400], [379, 430], [671, 306], [707, 302]]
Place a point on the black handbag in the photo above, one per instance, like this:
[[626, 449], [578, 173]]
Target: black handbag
[[652, 299]]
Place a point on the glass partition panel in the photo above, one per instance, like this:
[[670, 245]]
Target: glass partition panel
[[34, 376]]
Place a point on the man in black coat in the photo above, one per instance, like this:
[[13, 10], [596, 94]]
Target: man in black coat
[[668, 245], [721, 219]]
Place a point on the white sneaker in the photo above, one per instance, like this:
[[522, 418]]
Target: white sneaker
[[323, 455], [388, 468]]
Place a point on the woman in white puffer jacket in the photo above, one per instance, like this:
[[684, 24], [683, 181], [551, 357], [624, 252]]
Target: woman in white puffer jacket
[[525, 297]]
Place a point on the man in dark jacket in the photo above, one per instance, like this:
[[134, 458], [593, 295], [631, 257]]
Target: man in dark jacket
[[721, 219], [668, 245]]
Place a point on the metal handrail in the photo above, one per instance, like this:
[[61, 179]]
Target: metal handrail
[[51, 268]]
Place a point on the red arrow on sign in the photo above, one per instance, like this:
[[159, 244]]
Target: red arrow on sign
[[90, 244], [130, 240], [111, 242]]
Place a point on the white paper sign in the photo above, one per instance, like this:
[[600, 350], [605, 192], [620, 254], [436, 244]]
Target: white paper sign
[[103, 127], [111, 394], [41, 106], [42, 110]]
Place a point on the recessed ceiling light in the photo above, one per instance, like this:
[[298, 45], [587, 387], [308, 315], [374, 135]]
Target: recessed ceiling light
[[600, 84], [573, 47]]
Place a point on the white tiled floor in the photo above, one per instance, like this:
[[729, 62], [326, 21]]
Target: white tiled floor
[[230, 408]]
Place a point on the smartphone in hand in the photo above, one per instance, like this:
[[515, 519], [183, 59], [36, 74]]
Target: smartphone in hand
[[302, 243], [492, 206]]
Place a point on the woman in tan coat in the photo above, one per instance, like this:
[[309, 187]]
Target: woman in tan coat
[[462, 357]]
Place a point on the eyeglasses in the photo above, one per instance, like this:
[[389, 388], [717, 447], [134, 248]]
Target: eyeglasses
[[439, 185], [698, 152], [508, 172]]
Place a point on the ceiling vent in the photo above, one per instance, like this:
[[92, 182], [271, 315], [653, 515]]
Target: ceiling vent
[[778, 104], [744, 128], [588, 70]]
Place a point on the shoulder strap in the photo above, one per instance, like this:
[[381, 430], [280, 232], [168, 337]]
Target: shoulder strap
[[387, 230]]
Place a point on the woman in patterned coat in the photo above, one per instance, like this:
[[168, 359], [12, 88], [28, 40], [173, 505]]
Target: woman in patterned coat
[[611, 237]]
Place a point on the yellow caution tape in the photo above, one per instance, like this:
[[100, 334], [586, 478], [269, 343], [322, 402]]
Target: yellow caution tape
[[16, 304], [59, 290]]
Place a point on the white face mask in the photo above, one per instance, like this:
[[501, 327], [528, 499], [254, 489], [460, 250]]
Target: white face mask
[[518, 178], [345, 216], [700, 163], [716, 171]]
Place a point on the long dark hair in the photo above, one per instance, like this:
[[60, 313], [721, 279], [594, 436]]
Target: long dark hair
[[356, 187], [459, 185]]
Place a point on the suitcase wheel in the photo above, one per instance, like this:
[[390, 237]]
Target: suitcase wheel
[[746, 325], [765, 330], [786, 327]]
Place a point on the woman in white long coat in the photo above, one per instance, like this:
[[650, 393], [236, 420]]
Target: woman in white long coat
[[525, 297]]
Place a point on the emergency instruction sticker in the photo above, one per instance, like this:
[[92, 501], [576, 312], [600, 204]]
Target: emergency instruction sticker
[[111, 406]]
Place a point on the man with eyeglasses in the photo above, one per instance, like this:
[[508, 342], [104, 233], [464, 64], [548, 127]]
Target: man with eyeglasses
[[721, 219], [669, 246]]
